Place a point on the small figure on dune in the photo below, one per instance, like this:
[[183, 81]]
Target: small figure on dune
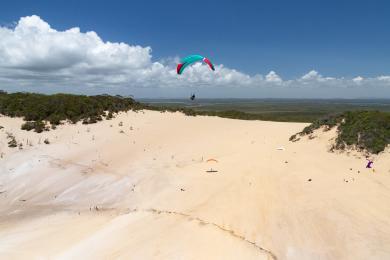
[[213, 161], [369, 164]]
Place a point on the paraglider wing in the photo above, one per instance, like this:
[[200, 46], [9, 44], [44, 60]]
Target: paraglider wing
[[191, 59], [212, 160], [209, 63], [179, 68]]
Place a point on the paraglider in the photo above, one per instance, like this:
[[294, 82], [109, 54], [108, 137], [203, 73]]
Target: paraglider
[[192, 59], [192, 97], [211, 161]]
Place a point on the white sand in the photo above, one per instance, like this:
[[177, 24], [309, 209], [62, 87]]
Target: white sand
[[155, 199]]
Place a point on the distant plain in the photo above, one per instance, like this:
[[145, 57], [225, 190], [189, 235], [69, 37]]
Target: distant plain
[[289, 110]]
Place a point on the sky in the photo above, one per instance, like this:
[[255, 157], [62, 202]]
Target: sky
[[298, 49]]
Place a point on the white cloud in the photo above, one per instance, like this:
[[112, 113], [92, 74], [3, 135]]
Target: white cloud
[[315, 76], [311, 75], [358, 79], [384, 78], [34, 45], [273, 77], [34, 54]]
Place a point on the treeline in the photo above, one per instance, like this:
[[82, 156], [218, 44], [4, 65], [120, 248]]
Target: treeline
[[234, 114], [37, 109], [364, 130]]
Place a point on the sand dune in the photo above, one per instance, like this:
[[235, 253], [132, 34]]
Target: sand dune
[[141, 191]]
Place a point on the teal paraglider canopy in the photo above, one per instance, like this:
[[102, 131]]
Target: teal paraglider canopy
[[192, 59]]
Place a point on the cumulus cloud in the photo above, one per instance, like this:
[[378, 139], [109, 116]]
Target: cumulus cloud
[[34, 46], [32, 53], [273, 77], [315, 76], [312, 75], [384, 78], [358, 79]]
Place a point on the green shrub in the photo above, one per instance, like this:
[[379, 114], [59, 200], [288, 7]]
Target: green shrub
[[12, 141], [39, 127], [364, 130], [55, 108], [29, 125]]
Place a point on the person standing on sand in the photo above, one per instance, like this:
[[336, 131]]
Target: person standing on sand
[[369, 164]]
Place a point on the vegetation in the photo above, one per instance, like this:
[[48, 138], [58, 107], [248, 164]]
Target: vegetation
[[363, 130], [37, 109], [232, 114], [12, 141], [38, 126], [283, 110]]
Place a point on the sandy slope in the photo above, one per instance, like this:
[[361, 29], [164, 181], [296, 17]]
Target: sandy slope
[[95, 192]]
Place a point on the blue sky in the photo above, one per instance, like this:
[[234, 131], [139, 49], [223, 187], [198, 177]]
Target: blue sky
[[342, 39], [339, 38]]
